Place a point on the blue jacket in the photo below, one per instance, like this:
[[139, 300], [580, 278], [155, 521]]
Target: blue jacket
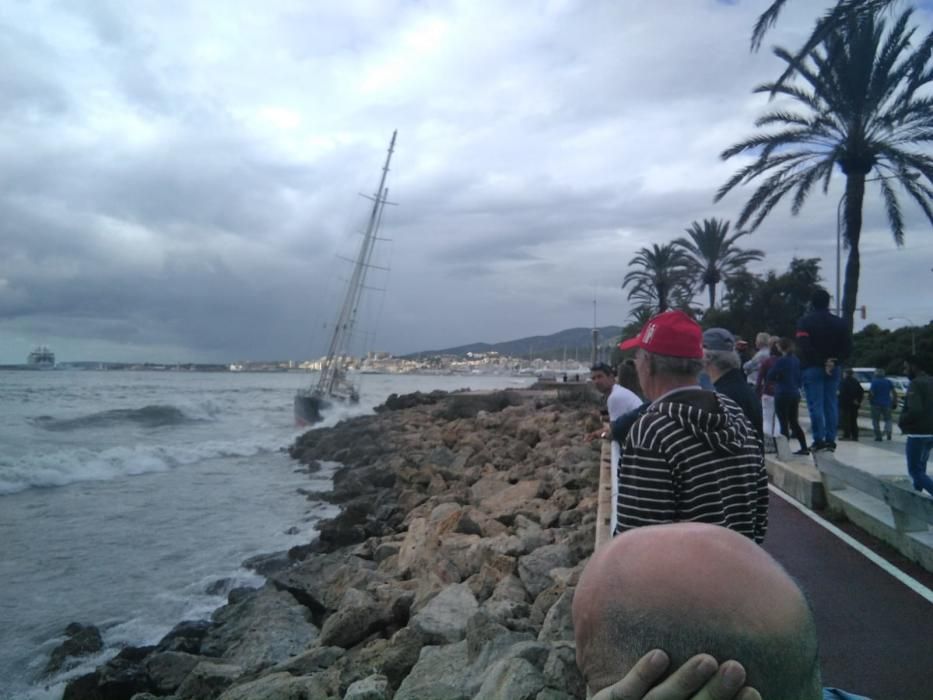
[[881, 390], [786, 376]]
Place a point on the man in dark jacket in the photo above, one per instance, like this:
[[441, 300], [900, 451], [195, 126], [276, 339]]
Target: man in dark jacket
[[823, 344], [917, 423], [724, 368], [851, 394]]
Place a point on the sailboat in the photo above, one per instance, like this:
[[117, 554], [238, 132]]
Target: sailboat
[[334, 384]]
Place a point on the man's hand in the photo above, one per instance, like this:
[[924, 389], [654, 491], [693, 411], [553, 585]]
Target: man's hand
[[600, 434], [700, 678]]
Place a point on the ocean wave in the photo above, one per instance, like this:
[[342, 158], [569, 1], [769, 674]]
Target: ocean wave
[[147, 416], [64, 467]]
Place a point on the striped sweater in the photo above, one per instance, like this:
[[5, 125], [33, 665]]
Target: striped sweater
[[693, 456]]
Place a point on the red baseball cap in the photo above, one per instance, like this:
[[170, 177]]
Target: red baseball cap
[[671, 333]]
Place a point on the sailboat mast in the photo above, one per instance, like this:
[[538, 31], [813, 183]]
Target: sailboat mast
[[331, 370]]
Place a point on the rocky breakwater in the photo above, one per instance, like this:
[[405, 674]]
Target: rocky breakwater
[[448, 575]]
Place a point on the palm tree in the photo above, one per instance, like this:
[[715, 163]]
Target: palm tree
[[859, 110], [714, 256], [662, 277], [830, 21]]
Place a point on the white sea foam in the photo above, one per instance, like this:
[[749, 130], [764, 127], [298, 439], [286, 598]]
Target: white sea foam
[[69, 466]]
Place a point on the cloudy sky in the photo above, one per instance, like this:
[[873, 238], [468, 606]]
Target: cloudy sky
[[179, 177]]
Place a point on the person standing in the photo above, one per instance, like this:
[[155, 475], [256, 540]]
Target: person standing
[[692, 455], [762, 351], [824, 343], [882, 397], [917, 423], [851, 394], [765, 391], [722, 365], [619, 400], [786, 376]]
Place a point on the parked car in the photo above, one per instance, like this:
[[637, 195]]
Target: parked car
[[864, 376], [900, 384]]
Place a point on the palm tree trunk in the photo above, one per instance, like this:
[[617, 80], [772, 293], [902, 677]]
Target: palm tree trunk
[[662, 298], [712, 294], [855, 194]]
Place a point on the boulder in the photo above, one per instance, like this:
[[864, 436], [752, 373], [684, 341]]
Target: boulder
[[320, 581], [441, 672], [511, 679], [167, 669], [506, 503], [82, 640], [534, 568], [561, 672], [261, 631], [358, 616], [444, 619], [208, 680], [185, 636], [558, 622], [311, 661], [277, 686], [375, 687]]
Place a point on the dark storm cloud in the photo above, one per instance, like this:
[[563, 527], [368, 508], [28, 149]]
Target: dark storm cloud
[[178, 177]]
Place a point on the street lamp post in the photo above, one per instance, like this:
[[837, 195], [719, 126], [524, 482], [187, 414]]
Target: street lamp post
[[842, 200], [913, 332]]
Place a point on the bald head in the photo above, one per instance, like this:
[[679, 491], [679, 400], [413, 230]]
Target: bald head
[[690, 588]]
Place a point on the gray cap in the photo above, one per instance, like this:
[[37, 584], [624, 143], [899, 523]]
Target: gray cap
[[718, 339]]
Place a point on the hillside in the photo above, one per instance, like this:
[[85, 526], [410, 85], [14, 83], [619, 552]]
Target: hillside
[[575, 342]]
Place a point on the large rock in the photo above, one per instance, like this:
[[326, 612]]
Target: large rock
[[441, 672], [185, 636], [506, 503], [208, 680], [444, 619], [167, 669], [558, 622], [277, 686], [561, 672], [82, 640], [358, 616], [511, 679], [261, 631], [535, 568], [375, 687], [320, 581]]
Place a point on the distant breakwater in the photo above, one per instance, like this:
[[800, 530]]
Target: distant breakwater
[[449, 573]]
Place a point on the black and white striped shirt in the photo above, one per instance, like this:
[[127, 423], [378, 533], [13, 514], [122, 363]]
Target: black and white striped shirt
[[693, 456]]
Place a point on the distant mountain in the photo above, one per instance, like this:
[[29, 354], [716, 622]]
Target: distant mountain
[[576, 342]]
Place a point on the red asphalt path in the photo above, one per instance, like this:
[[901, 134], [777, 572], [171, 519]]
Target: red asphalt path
[[876, 634]]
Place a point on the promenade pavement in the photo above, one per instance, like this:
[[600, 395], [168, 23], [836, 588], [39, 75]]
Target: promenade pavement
[[875, 624], [875, 630]]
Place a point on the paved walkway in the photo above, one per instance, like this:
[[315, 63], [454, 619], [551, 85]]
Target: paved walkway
[[876, 634]]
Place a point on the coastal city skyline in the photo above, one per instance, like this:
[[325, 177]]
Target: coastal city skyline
[[181, 180]]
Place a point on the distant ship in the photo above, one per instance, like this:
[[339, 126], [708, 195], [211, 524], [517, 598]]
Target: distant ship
[[334, 384], [41, 358]]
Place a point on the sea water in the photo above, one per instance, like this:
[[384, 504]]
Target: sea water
[[125, 495]]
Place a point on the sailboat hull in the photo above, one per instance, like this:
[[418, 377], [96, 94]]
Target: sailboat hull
[[308, 409]]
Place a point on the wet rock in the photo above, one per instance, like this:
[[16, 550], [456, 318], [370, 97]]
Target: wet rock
[[208, 680], [263, 630], [167, 669], [82, 640], [185, 636], [277, 686], [375, 687]]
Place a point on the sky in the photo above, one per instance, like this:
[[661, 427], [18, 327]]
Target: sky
[[180, 180]]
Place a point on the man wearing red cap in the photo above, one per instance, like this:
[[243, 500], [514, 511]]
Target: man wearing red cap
[[693, 455]]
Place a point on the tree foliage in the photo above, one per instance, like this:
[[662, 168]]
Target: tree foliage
[[862, 107], [714, 257], [769, 303], [661, 278]]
